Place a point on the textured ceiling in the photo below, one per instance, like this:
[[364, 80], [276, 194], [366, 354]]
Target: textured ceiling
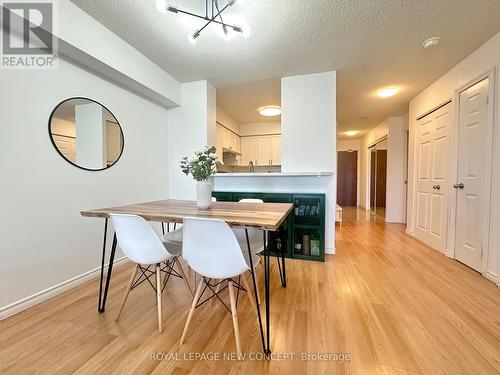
[[370, 43], [242, 100]]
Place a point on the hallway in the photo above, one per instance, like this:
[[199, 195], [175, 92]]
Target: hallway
[[415, 309], [389, 302]]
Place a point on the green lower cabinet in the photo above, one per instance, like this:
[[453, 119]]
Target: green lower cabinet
[[309, 226], [302, 235]]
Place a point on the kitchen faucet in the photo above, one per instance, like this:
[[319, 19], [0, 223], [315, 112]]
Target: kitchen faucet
[[251, 169]]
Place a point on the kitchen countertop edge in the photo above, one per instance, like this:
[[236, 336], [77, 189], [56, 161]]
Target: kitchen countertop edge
[[276, 174]]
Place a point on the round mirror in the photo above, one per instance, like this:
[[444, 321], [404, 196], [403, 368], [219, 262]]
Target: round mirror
[[86, 134]]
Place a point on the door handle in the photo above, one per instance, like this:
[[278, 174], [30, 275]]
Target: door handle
[[458, 186], [437, 187]]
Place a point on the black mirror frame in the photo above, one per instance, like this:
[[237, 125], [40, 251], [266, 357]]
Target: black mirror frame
[[61, 154]]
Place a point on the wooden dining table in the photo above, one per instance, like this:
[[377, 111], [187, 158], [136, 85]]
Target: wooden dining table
[[267, 217]]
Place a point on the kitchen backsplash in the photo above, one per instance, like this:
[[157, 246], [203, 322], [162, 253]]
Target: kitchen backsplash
[[244, 169]]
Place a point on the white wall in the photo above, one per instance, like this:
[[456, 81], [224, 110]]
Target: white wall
[[191, 127], [227, 120], [479, 62], [308, 123], [395, 211], [112, 50], [393, 128], [352, 145], [308, 132], [110, 57], [260, 128], [375, 135], [43, 239]]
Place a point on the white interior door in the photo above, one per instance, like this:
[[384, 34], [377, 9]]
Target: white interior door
[[471, 184], [432, 178]]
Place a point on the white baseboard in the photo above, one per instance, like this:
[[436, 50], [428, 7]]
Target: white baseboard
[[53, 291], [409, 232], [492, 277], [330, 251]]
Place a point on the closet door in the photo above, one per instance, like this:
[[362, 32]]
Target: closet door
[[471, 183], [433, 177]]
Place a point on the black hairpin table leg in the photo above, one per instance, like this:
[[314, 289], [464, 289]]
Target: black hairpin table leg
[[103, 297], [282, 268], [267, 294]]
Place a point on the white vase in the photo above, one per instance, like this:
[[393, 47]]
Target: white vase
[[203, 194]]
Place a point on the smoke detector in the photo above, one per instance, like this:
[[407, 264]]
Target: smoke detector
[[431, 42]]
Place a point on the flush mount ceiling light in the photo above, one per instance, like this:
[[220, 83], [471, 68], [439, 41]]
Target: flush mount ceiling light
[[351, 133], [389, 91], [431, 42], [270, 110], [213, 14]]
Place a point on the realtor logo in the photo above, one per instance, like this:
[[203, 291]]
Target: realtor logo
[[27, 35]]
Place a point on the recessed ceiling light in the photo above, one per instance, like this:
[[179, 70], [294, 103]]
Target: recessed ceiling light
[[270, 110], [389, 91], [351, 133], [431, 42]]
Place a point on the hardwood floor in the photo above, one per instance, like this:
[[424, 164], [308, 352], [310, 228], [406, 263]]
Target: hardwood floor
[[388, 301]]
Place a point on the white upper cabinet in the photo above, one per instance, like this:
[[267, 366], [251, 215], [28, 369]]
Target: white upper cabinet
[[248, 150], [275, 150], [261, 150], [226, 139], [219, 141]]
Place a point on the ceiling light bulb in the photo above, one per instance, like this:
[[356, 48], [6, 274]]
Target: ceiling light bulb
[[270, 110], [431, 42], [351, 133], [390, 91], [161, 5]]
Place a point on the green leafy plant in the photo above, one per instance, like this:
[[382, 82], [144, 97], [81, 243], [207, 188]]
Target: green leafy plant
[[202, 166]]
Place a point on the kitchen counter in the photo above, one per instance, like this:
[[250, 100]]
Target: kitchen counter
[[290, 183], [275, 174]]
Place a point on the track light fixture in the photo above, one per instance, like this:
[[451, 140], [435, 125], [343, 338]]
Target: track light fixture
[[213, 14]]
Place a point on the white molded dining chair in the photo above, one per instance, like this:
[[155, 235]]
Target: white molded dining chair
[[142, 245], [255, 236], [212, 250], [174, 238]]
